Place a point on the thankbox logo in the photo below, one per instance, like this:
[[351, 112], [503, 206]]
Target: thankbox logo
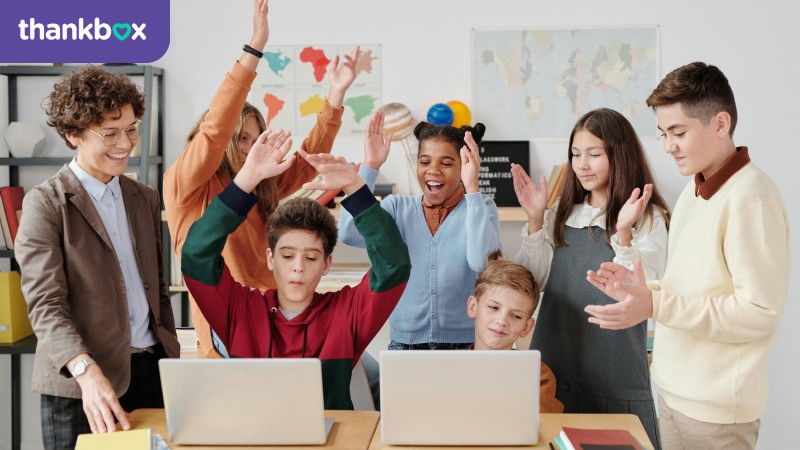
[[97, 31], [32, 30]]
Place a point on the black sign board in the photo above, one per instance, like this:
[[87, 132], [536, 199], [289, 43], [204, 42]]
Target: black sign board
[[494, 177]]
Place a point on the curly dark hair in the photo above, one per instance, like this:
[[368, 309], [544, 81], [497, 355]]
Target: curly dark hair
[[455, 136], [84, 97], [302, 214]]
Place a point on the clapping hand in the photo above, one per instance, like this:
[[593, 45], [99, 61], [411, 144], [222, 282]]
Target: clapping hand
[[631, 212], [533, 200], [628, 288], [470, 164]]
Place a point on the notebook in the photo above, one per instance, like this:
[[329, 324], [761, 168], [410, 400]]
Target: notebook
[[244, 401], [456, 397]]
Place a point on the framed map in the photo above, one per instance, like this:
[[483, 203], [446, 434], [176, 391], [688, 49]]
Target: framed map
[[531, 84], [290, 89]]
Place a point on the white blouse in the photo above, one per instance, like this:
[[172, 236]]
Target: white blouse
[[649, 243]]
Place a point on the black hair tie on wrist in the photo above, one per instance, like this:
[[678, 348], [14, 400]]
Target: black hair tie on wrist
[[252, 51]]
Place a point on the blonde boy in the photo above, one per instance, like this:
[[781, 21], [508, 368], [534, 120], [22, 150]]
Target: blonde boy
[[506, 295]]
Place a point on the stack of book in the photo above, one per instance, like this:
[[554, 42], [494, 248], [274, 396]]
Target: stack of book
[[10, 212], [588, 439]]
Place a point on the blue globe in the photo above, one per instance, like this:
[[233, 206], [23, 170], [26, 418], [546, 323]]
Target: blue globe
[[440, 114]]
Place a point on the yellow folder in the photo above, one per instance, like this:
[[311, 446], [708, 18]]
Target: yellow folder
[[14, 323], [118, 440]]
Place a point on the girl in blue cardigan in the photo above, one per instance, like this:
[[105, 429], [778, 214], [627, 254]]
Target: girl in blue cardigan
[[449, 229]]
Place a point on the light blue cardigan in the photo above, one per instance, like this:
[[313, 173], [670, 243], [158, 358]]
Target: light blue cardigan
[[433, 307]]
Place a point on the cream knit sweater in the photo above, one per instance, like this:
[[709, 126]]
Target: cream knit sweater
[[718, 306]]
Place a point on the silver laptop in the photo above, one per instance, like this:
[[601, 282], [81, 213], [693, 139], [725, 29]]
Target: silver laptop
[[460, 397], [244, 401]]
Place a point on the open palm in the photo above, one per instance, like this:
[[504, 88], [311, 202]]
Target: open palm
[[533, 200]]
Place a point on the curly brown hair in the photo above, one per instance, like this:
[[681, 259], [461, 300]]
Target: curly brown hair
[[303, 214], [84, 97]]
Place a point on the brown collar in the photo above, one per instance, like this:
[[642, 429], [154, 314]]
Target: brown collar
[[707, 188], [435, 215]]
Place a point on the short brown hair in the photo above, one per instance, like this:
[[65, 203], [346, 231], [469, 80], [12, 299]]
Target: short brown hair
[[501, 272], [303, 214], [700, 88], [84, 97]]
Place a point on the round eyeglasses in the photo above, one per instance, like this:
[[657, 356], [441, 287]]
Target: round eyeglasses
[[111, 138]]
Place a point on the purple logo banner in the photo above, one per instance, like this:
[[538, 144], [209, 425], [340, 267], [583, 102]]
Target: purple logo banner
[[84, 31]]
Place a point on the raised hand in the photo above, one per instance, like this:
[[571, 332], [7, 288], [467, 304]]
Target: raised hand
[[630, 212], [265, 159], [628, 288], [260, 34], [336, 173], [260, 24], [341, 77], [533, 200], [376, 144], [470, 164]]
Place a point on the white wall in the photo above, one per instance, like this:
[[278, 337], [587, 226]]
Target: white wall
[[426, 59]]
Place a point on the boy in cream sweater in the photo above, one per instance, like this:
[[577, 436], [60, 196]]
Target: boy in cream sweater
[[718, 306]]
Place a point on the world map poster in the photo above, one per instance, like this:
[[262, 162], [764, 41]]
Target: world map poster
[[531, 84], [290, 89]]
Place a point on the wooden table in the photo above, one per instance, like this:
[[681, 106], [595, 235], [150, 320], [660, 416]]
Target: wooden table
[[549, 427], [351, 430]]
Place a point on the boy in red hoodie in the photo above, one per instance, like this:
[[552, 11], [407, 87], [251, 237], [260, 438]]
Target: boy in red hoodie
[[294, 321]]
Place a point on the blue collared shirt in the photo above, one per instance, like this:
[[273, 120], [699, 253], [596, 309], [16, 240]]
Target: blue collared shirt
[[107, 200]]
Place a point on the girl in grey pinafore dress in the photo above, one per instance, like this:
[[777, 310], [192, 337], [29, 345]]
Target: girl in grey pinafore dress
[[597, 370], [608, 210]]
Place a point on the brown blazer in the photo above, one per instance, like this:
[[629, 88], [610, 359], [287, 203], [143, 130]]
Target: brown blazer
[[73, 283]]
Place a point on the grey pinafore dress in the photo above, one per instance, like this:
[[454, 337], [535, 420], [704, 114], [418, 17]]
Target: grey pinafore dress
[[597, 370]]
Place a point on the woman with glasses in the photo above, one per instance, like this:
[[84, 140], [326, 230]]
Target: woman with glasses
[[89, 250], [215, 151]]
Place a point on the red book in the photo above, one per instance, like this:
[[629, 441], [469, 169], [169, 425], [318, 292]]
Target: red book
[[12, 203], [586, 439]]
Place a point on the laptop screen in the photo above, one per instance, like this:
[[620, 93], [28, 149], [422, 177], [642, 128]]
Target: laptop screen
[[460, 397], [243, 401]]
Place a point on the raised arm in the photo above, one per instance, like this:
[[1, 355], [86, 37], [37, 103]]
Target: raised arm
[[374, 299], [185, 179], [536, 252], [376, 151], [483, 223], [202, 263]]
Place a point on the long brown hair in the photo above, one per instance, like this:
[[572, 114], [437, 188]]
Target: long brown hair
[[267, 190], [628, 169]]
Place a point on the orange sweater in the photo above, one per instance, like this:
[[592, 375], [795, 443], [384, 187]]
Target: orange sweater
[[193, 181], [548, 403]]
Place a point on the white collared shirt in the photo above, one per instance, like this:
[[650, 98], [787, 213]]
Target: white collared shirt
[[110, 206]]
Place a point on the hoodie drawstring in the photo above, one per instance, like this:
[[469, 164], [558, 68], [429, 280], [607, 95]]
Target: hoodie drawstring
[[272, 313], [305, 333]]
